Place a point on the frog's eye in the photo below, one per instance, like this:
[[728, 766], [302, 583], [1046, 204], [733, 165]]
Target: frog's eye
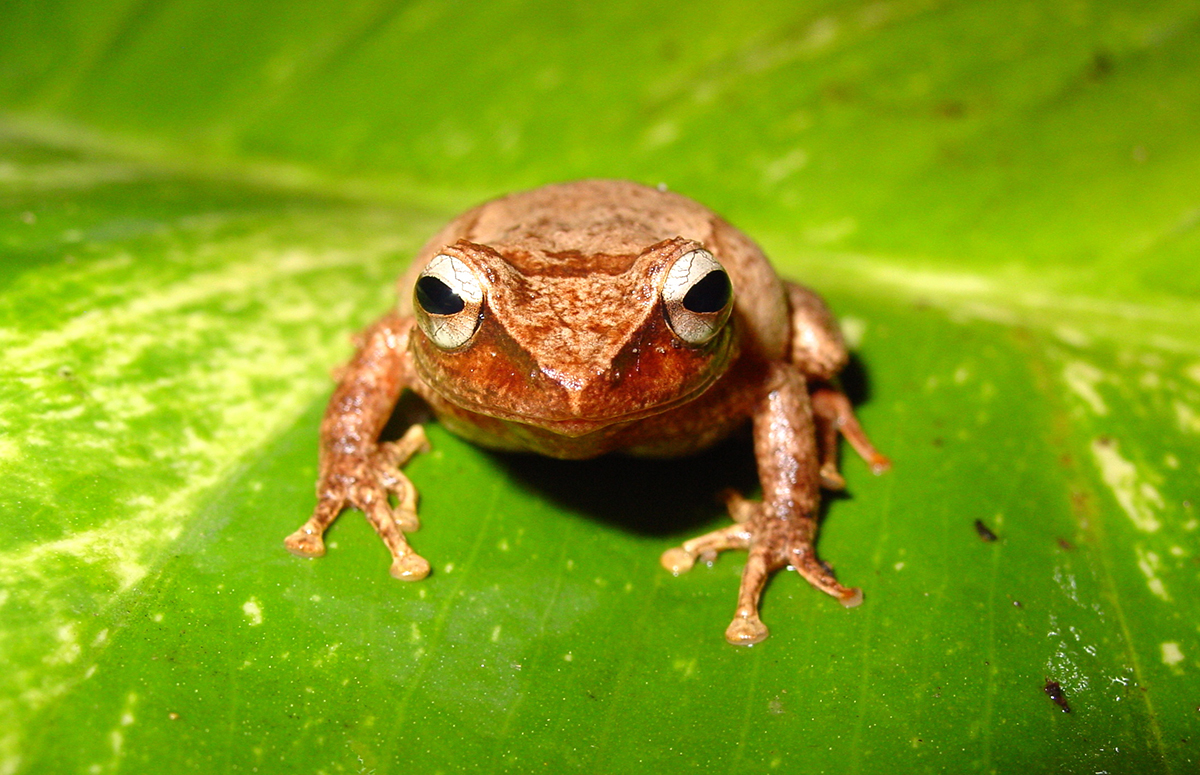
[[447, 298], [697, 297]]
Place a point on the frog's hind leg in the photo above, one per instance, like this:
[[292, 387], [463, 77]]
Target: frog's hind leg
[[825, 420], [833, 414]]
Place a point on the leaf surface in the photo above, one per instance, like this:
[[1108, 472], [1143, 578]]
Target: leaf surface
[[200, 202]]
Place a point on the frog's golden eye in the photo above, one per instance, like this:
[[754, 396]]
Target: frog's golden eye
[[447, 298], [697, 297]]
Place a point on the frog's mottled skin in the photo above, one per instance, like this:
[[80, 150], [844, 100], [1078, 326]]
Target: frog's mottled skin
[[574, 355]]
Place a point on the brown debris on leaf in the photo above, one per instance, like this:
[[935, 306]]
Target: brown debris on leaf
[[984, 531], [1055, 692]]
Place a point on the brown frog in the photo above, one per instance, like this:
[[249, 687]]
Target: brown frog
[[592, 317]]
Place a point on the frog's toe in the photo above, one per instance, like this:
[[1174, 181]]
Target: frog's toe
[[395, 454], [820, 576], [831, 478], [410, 567], [405, 512], [746, 631], [851, 597], [406, 519], [677, 560], [305, 542], [706, 547], [740, 509]]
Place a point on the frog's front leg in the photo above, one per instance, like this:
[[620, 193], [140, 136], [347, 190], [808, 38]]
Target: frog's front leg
[[780, 530], [356, 470]]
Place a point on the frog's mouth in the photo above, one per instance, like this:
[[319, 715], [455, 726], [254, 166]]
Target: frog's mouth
[[580, 413]]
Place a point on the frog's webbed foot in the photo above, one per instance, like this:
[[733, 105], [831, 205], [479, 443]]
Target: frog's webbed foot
[[834, 414], [771, 543], [366, 484]]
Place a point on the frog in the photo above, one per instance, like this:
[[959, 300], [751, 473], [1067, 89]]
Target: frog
[[601, 317]]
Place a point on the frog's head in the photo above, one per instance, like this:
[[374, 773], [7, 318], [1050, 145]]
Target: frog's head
[[572, 342]]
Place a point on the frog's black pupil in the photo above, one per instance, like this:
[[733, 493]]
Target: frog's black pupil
[[710, 294], [436, 298]]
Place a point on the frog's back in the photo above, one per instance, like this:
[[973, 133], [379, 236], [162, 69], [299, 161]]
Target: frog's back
[[613, 221]]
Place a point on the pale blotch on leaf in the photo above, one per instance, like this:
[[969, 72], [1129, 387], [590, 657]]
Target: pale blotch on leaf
[[253, 611], [1138, 498], [1149, 564], [1082, 378]]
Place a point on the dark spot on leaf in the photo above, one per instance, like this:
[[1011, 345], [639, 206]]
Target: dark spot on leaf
[[1055, 692], [839, 91], [1101, 67], [984, 531], [950, 109]]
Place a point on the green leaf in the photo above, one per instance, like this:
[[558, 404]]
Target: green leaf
[[201, 201]]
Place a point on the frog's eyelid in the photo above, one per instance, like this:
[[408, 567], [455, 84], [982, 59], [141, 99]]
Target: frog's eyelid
[[689, 271], [450, 331], [457, 275]]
